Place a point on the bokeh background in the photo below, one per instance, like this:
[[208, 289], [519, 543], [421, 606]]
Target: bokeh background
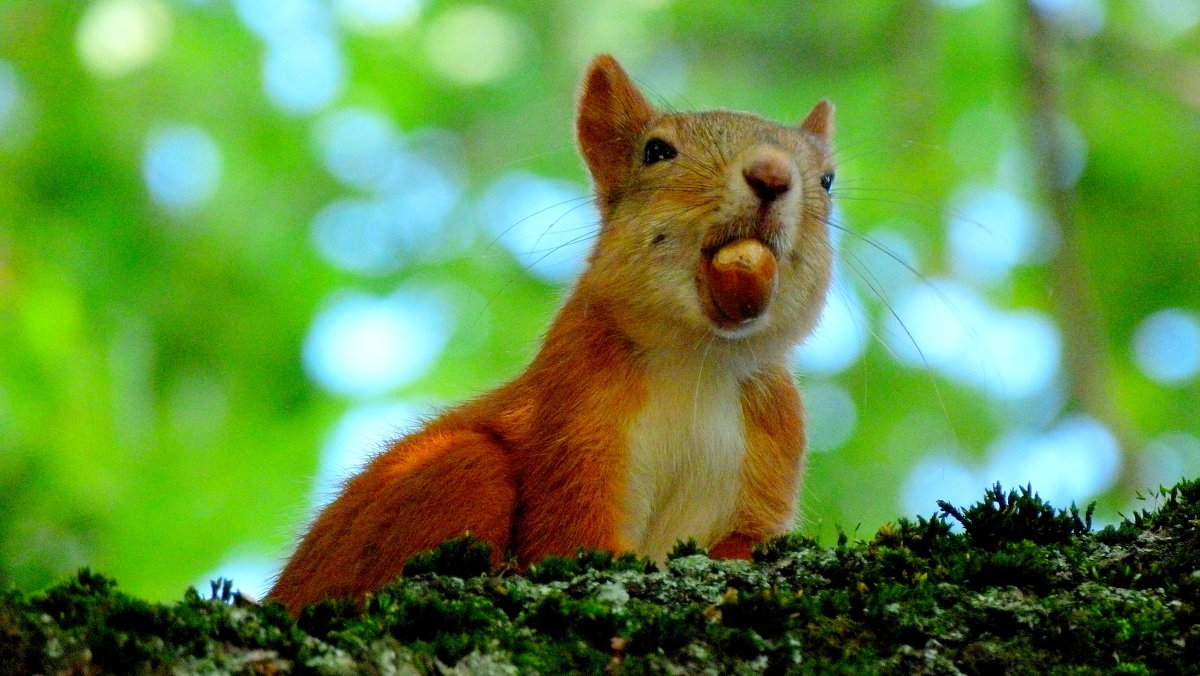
[[242, 242]]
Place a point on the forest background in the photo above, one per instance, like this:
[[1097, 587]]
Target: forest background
[[242, 243]]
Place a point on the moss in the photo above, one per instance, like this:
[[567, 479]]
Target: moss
[[1015, 516], [1024, 589], [460, 557]]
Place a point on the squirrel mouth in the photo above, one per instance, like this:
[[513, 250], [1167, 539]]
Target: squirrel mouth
[[737, 281]]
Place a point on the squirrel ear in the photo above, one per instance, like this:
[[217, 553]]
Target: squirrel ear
[[611, 116], [819, 122]]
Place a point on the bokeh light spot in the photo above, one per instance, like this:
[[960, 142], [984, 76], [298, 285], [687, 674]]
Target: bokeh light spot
[[1081, 18], [373, 15], [304, 73], [883, 258], [840, 337], [276, 21], [950, 328], [304, 69], [362, 345], [10, 94], [935, 323], [1171, 18], [117, 37], [251, 575], [415, 188], [364, 150], [547, 224], [1072, 462], [358, 236], [1023, 348], [377, 236], [831, 416], [990, 233], [181, 166], [474, 44], [938, 477], [357, 145], [1166, 346]]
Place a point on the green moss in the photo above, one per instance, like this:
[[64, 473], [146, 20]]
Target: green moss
[[1024, 589], [1015, 516], [558, 568], [461, 557]]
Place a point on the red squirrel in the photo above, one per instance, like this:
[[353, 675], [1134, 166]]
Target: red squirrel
[[661, 405]]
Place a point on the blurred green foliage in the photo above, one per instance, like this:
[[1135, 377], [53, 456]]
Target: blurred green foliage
[[156, 415]]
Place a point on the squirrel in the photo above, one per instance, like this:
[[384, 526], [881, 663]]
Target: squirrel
[[661, 405]]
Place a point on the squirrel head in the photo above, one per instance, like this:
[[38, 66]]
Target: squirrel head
[[676, 189]]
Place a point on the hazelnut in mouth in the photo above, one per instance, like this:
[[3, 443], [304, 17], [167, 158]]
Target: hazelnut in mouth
[[738, 281]]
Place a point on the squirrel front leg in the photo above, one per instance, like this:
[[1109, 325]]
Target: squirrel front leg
[[577, 505], [774, 419], [581, 393]]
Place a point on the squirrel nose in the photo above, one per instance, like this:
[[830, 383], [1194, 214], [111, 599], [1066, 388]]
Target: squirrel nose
[[769, 175]]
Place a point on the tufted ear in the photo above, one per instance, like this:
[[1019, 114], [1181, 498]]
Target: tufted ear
[[819, 122], [609, 122]]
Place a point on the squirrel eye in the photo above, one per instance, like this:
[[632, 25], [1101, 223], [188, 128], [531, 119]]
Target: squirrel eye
[[827, 181], [657, 150]]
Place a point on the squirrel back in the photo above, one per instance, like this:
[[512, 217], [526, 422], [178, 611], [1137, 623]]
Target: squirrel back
[[661, 404]]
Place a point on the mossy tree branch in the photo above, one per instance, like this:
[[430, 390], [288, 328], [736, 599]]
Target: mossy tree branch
[[1024, 589]]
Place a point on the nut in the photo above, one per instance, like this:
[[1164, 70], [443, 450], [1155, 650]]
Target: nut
[[741, 279]]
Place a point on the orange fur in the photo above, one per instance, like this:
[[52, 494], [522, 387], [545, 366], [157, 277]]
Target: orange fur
[[771, 473], [543, 465]]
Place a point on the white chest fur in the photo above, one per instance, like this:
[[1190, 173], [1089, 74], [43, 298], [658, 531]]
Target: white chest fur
[[686, 448]]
